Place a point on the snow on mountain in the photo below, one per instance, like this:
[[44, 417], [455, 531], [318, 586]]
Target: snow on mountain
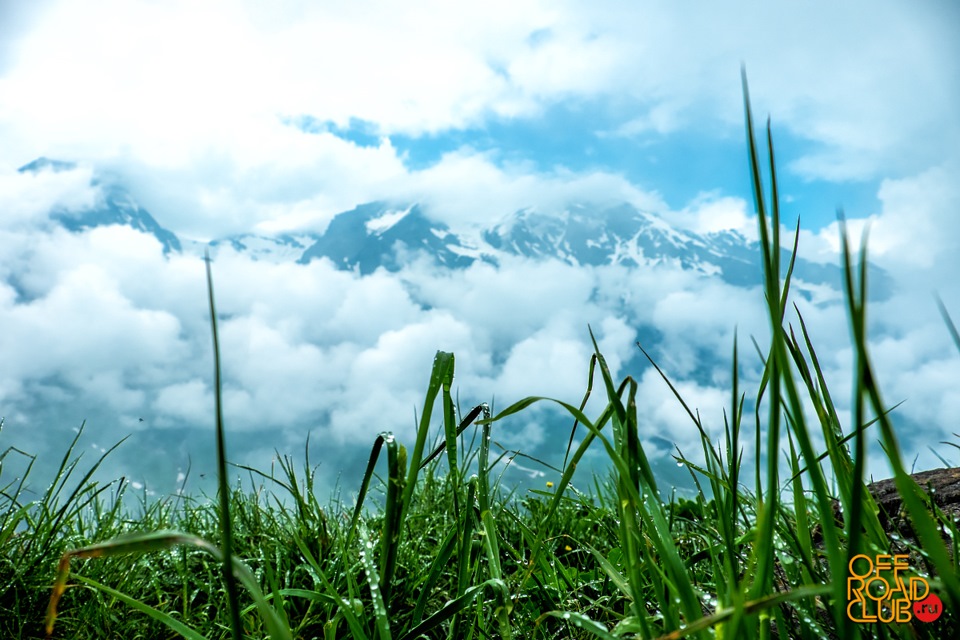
[[378, 234], [388, 235], [383, 235], [383, 223], [116, 206], [280, 248], [584, 235]]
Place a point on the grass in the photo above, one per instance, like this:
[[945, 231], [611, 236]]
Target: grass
[[447, 553]]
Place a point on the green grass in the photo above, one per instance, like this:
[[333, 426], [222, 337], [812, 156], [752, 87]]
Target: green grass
[[447, 553]]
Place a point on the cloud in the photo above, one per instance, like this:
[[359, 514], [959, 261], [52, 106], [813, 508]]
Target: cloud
[[199, 127], [913, 235], [712, 212], [334, 63], [28, 198], [866, 109], [917, 225], [78, 323], [181, 402], [470, 188]]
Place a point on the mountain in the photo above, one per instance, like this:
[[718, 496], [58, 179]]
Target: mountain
[[389, 235], [115, 206], [284, 247], [380, 235], [583, 235], [385, 235]]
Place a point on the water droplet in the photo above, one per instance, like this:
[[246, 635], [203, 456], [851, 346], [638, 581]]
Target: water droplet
[[566, 616]]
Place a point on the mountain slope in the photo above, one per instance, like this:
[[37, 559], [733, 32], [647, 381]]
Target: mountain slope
[[382, 235], [116, 206], [378, 234], [390, 235]]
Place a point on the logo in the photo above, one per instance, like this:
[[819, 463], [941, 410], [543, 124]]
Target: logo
[[877, 591]]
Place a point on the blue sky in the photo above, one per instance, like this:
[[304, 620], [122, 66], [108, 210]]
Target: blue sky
[[677, 166], [234, 116]]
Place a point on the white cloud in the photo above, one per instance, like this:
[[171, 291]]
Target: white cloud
[[918, 223], [546, 364], [85, 325], [664, 416], [198, 125], [27, 198], [710, 213], [912, 236], [467, 188], [404, 70], [183, 402]]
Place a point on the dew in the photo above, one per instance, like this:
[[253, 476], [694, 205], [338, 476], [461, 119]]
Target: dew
[[566, 616]]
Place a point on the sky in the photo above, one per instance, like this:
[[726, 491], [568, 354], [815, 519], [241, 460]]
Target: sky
[[224, 117]]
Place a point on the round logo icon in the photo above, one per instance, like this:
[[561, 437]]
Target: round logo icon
[[928, 609]]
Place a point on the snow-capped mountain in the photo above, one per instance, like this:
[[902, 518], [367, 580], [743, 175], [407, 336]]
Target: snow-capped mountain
[[389, 235], [623, 235], [280, 248], [380, 235], [116, 206], [383, 235]]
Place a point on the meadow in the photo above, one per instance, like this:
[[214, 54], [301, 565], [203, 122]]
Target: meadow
[[435, 548]]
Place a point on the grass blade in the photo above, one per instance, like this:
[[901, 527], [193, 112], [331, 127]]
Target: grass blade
[[223, 488]]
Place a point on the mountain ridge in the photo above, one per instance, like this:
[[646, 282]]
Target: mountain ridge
[[114, 206], [386, 234]]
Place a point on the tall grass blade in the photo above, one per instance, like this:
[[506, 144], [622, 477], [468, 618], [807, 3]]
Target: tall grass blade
[[392, 516], [223, 487], [373, 581], [949, 322], [781, 382]]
